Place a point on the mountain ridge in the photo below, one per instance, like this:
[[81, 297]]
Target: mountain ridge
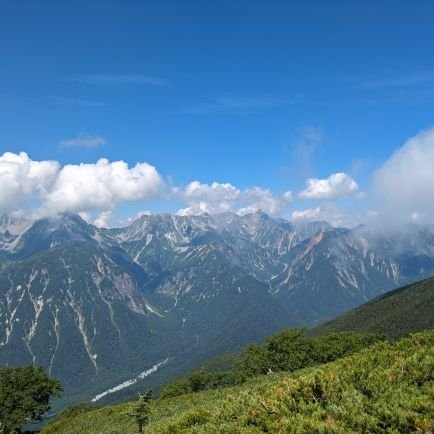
[[107, 304], [405, 310]]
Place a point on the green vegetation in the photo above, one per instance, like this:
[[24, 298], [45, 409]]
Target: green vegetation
[[292, 349], [116, 420], [76, 409], [395, 314], [289, 350], [315, 382], [221, 363], [386, 388], [24, 396], [140, 410], [196, 382]]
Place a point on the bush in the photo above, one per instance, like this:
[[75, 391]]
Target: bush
[[387, 388], [196, 382], [292, 349]]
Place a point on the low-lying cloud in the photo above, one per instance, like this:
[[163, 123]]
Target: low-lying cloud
[[223, 197], [402, 190], [404, 185]]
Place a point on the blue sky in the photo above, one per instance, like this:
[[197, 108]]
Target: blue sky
[[250, 93]]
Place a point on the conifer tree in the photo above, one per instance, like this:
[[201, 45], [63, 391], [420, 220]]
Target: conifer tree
[[141, 409]]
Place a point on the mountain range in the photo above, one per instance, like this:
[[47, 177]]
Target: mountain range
[[97, 307]]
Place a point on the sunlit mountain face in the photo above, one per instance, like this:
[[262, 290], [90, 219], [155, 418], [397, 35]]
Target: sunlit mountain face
[[96, 307]]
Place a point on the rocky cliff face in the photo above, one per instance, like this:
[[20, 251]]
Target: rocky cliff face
[[102, 305]]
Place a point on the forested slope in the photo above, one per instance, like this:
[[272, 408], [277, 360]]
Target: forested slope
[[395, 314]]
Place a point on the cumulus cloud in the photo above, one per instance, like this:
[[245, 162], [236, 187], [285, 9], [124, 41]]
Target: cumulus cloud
[[101, 186], [22, 179], [45, 188], [222, 197], [336, 186], [258, 198], [203, 198], [102, 221], [404, 185], [217, 196], [330, 213], [83, 140]]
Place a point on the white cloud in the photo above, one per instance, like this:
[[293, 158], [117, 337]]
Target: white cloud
[[404, 185], [336, 186], [22, 179], [102, 221], [372, 213], [417, 217], [203, 198], [97, 188], [328, 212], [85, 216], [258, 198], [216, 192], [131, 219], [83, 140], [141, 214], [47, 188], [306, 214], [223, 197], [101, 186]]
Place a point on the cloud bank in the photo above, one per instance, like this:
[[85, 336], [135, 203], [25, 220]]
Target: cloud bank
[[404, 185], [52, 189], [402, 190], [102, 185], [219, 197], [99, 187], [22, 179], [328, 212]]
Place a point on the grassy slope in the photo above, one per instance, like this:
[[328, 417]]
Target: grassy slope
[[114, 419], [386, 388], [396, 314]]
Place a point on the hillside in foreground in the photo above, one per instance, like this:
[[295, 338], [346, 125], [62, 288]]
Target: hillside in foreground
[[386, 388], [395, 314]]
